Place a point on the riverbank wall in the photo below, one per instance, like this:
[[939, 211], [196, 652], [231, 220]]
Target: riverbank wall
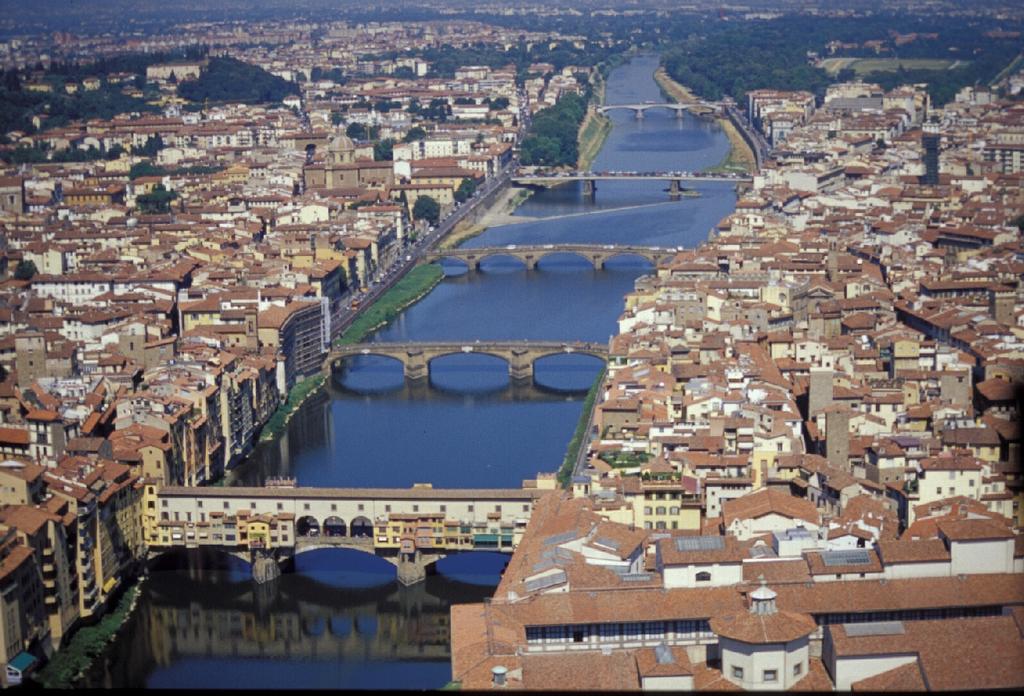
[[595, 127]]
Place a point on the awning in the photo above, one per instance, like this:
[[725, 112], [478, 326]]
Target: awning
[[22, 662]]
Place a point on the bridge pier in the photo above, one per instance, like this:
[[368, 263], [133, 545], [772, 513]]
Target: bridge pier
[[589, 187], [415, 366], [675, 189], [264, 568], [531, 262], [520, 367], [639, 114], [412, 568], [598, 261], [679, 113]]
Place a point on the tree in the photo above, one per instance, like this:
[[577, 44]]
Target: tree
[[356, 131], [414, 133], [159, 201], [426, 208], [25, 270], [466, 189], [11, 81], [383, 150], [154, 144]]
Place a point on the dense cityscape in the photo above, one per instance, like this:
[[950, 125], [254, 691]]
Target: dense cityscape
[[577, 345]]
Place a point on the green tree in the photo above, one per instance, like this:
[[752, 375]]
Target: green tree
[[158, 201], [426, 208], [383, 150], [25, 270], [466, 189], [357, 131], [154, 144], [415, 133]]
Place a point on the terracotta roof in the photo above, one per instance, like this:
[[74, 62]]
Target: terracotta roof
[[760, 629]]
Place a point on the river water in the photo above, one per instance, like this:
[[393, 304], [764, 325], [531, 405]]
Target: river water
[[341, 620]]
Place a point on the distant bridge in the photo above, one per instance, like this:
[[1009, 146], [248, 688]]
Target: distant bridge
[[416, 357], [589, 179], [679, 108], [409, 527], [597, 254]]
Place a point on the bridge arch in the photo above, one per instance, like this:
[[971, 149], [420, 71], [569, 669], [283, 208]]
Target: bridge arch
[[334, 526], [649, 257], [387, 360], [314, 626], [307, 526], [361, 527], [340, 626]]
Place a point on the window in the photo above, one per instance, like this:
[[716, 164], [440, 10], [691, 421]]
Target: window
[[415, 508], [387, 508], [334, 507], [469, 508], [526, 508], [633, 629], [577, 635], [648, 510], [199, 503], [737, 672], [703, 576], [225, 505], [305, 506], [163, 503], [280, 506], [798, 669], [360, 507], [771, 675]]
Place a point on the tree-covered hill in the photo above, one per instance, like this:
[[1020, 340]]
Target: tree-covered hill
[[230, 80]]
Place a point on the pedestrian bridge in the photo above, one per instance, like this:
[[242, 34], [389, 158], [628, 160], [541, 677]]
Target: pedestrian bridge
[[596, 254], [416, 357]]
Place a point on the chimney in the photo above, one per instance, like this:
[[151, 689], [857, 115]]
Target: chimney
[[498, 675]]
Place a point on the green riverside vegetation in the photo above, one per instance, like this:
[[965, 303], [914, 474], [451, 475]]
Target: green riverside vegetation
[[552, 138], [299, 393], [573, 452], [416, 283], [86, 644]]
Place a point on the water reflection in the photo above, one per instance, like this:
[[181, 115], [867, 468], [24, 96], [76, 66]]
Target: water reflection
[[340, 620]]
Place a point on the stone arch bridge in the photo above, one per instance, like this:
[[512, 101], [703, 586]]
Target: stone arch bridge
[[411, 528], [596, 254], [416, 357]]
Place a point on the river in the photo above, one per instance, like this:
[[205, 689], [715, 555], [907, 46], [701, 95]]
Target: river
[[341, 620]]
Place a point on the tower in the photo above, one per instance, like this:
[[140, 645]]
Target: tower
[[930, 143]]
